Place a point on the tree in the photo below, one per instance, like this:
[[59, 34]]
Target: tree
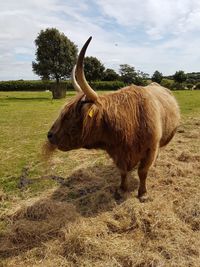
[[157, 77], [110, 75], [93, 68], [55, 57], [141, 78], [128, 73], [180, 76]]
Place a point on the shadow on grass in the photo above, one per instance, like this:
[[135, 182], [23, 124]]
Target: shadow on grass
[[93, 190], [87, 192]]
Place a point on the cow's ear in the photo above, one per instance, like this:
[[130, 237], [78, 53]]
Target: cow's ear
[[82, 102]]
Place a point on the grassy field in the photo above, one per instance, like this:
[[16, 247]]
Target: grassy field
[[66, 212]]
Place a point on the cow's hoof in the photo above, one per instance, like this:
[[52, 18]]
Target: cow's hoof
[[144, 198]]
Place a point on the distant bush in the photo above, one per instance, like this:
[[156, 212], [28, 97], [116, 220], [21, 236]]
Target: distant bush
[[172, 85], [179, 86], [24, 86], [167, 83], [197, 86], [189, 86], [193, 77], [107, 86], [21, 85]]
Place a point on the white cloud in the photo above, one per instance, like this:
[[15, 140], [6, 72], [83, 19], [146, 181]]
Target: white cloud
[[157, 17], [151, 34]]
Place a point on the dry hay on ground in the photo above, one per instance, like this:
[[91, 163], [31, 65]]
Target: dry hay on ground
[[47, 150], [87, 222]]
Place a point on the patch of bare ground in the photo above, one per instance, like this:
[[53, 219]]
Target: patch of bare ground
[[87, 221]]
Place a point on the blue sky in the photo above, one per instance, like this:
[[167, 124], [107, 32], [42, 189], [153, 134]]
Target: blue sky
[[150, 35]]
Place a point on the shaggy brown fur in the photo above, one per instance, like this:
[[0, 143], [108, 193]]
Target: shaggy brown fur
[[130, 124]]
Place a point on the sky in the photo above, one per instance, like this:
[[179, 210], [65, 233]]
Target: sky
[[149, 35]]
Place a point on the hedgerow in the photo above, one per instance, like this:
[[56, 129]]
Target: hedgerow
[[42, 86]]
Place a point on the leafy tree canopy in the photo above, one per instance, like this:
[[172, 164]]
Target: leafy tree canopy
[[180, 76], [93, 68], [55, 55], [130, 75], [157, 77], [110, 75]]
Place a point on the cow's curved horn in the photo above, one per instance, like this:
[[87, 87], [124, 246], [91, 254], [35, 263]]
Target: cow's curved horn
[[90, 93], [74, 82]]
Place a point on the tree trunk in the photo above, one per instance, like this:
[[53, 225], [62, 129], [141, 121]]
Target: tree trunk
[[58, 90]]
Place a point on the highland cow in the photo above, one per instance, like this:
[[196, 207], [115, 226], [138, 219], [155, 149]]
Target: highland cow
[[130, 124]]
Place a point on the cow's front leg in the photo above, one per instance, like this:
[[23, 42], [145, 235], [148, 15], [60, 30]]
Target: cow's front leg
[[124, 182]]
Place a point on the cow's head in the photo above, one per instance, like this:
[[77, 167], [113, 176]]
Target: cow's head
[[72, 129]]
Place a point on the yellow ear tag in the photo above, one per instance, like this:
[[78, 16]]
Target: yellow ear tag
[[90, 113]]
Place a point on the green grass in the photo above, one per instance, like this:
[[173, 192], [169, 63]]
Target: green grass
[[25, 118], [24, 121], [189, 101]]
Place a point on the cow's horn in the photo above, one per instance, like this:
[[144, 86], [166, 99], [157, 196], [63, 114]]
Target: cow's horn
[[74, 82], [89, 92]]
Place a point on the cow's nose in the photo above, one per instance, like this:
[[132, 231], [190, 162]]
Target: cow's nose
[[50, 135]]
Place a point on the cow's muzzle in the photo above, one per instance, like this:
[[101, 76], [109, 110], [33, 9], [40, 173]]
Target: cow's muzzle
[[51, 137]]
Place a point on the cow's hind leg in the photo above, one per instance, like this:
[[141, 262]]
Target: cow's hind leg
[[143, 168]]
